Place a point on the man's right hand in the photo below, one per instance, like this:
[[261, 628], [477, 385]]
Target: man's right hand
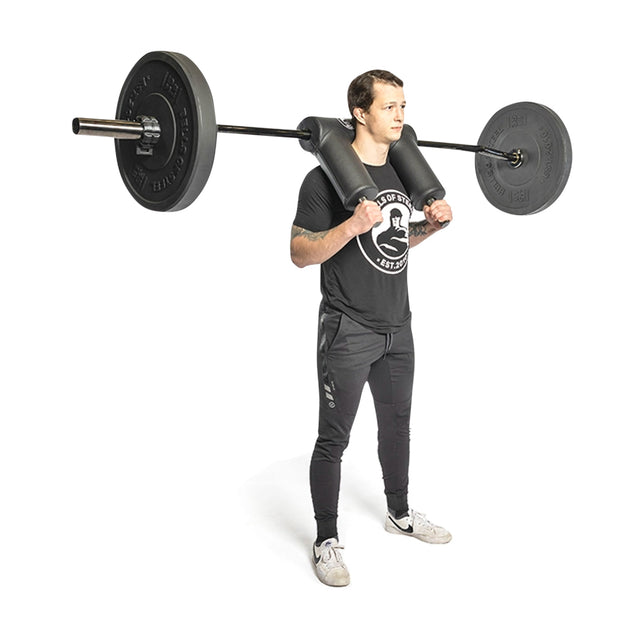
[[365, 216]]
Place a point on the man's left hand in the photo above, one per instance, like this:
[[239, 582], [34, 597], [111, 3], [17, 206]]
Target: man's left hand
[[438, 213]]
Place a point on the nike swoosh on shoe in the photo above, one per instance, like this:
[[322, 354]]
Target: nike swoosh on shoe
[[409, 529]]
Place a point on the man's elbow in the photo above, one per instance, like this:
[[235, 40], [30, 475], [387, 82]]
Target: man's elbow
[[299, 260], [299, 263], [299, 256]]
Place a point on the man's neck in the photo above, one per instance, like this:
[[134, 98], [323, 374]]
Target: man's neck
[[369, 151]]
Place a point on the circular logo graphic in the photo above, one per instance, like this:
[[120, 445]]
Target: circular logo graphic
[[386, 246]]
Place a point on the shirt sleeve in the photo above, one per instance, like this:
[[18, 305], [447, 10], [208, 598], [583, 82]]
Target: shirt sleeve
[[317, 202]]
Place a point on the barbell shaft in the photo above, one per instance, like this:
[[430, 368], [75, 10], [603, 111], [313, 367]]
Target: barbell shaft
[[261, 131], [127, 130], [511, 156]]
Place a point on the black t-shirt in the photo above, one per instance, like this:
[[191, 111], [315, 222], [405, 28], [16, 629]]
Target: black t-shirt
[[367, 278]]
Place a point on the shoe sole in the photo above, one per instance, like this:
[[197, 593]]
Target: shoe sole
[[341, 583], [330, 584]]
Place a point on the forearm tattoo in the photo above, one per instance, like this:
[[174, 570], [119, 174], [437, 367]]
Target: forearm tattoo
[[418, 229], [309, 235]]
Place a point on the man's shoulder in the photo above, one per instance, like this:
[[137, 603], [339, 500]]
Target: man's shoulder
[[318, 202], [317, 190], [316, 178]]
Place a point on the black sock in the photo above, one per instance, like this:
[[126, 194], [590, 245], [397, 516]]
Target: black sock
[[398, 505], [326, 529]]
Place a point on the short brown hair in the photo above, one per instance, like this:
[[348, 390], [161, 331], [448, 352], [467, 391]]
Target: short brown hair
[[360, 93]]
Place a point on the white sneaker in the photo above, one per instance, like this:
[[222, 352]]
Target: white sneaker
[[330, 567], [416, 525]]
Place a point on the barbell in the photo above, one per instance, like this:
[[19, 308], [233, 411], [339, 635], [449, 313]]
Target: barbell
[[165, 135]]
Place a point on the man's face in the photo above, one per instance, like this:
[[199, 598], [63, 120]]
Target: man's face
[[385, 116]]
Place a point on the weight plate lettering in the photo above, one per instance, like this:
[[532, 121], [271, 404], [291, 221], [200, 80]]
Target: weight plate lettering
[[542, 139], [169, 87]]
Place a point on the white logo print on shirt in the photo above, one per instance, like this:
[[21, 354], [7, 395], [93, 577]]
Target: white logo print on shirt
[[386, 246]]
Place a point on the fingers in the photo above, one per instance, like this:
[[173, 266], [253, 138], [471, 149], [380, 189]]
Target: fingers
[[439, 214], [369, 214]]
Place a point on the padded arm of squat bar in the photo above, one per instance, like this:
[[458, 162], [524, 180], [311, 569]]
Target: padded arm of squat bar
[[414, 171], [330, 142]]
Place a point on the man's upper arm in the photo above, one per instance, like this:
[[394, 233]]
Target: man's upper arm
[[315, 203]]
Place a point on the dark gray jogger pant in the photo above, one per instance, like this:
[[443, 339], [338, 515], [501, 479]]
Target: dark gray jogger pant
[[350, 355]]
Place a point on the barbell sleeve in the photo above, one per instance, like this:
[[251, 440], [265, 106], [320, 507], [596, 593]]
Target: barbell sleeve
[[120, 129]]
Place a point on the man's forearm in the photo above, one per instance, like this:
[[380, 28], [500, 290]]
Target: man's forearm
[[419, 231], [315, 247]]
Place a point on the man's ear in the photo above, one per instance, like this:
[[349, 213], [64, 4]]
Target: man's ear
[[358, 114]]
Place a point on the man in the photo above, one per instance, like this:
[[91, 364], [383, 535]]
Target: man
[[364, 330]]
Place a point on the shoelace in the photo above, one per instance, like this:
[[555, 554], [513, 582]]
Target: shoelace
[[421, 519], [331, 555]]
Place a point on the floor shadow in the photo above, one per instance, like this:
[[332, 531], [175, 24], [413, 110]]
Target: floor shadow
[[279, 496]]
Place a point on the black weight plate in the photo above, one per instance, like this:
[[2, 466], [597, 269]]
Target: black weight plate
[[169, 87], [546, 158]]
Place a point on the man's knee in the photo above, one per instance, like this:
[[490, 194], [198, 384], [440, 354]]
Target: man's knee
[[330, 450]]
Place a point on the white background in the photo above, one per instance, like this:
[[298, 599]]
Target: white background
[[158, 403]]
